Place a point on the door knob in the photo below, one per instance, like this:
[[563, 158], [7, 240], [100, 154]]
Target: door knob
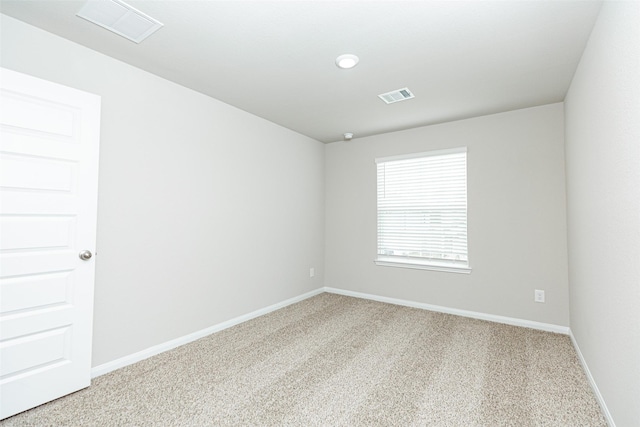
[[85, 255]]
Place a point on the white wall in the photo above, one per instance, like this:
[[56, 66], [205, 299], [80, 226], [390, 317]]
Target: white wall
[[516, 215], [603, 186], [205, 212]]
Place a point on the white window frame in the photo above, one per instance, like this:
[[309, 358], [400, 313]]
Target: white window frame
[[422, 263]]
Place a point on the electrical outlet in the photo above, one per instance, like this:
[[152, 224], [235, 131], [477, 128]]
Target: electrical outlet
[[538, 296], [312, 272]]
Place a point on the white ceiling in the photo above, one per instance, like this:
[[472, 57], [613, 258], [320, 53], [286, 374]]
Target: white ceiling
[[275, 59]]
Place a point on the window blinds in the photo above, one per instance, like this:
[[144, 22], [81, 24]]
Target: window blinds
[[422, 208]]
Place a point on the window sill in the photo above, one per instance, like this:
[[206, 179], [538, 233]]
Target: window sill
[[385, 262]]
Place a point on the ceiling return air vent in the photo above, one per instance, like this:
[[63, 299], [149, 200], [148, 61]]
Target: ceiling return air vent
[[120, 18], [396, 95]]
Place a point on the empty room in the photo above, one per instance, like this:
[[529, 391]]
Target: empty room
[[319, 213]]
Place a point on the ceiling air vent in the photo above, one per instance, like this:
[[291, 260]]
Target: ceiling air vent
[[396, 95], [119, 17]]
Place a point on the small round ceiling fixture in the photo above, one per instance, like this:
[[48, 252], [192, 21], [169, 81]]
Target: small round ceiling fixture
[[347, 61], [348, 136]]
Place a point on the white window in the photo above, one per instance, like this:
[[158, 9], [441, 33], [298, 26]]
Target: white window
[[422, 211]]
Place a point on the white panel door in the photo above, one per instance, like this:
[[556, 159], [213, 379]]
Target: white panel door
[[48, 198]]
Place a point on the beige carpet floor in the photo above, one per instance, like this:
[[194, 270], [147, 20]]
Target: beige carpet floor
[[338, 361]]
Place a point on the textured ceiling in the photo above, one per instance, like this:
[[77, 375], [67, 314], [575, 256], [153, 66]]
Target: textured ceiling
[[275, 59]]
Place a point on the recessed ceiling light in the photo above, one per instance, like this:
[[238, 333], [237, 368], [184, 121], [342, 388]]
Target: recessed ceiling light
[[347, 61]]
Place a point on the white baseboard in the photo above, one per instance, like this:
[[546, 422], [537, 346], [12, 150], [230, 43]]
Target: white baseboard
[[169, 345], [492, 318], [592, 382], [473, 314]]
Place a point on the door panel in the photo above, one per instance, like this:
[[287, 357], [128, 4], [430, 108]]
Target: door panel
[[36, 232], [32, 173], [36, 351], [48, 189], [36, 291]]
